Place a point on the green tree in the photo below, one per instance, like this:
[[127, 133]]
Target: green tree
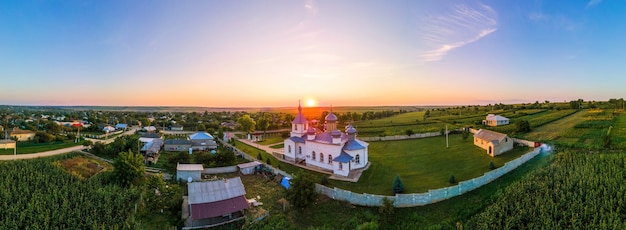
[[465, 135], [491, 165], [409, 132], [268, 162], [398, 186], [387, 210], [452, 179], [302, 191], [522, 126], [246, 123], [128, 167], [263, 122]]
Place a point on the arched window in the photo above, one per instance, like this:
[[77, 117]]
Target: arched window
[[289, 148], [340, 166], [330, 159], [358, 159], [321, 157], [300, 150], [313, 154]]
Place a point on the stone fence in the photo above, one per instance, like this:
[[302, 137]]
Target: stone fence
[[432, 196]]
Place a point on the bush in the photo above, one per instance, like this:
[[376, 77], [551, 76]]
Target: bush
[[465, 135], [522, 126], [452, 179], [491, 165], [324, 180], [398, 186]]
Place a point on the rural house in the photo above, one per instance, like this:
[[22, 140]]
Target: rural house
[[495, 120], [176, 127], [22, 135], [121, 126], [151, 150], [214, 202], [186, 171], [202, 141], [177, 145], [495, 143]]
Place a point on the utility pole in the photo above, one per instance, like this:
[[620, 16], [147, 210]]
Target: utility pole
[[447, 146]]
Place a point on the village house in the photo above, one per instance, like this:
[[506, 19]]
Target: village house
[[213, 202], [108, 129], [151, 150], [495, 120], [177, 145], [184, 172], [495, 143], [22, 135], [176, 127], [121, 126], [330, 149], [202, 141]]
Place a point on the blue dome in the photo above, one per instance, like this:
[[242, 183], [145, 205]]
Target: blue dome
[[350, 130], [336, 133], [331, 117]]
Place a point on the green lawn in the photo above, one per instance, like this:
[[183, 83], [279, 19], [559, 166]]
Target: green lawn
[[271, 140], [404, 118], [421, 163], [35, 148], [424, 164], [278, 146]]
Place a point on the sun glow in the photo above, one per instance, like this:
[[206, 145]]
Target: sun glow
[[311, 102]]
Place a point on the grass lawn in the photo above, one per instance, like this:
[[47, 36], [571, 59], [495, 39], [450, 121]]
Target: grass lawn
[[278, 146], [270, 140], [423, 164], [35, 148]]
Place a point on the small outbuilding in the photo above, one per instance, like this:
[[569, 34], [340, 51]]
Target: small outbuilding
[[495, 120], [495, 143], [248, 168], [7, 144], [215, 202], [186, 171]]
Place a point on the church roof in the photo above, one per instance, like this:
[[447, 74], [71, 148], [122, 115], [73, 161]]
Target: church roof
[[353, 145], [299, 117], [336, 133], [350, 129], [343, 157], [311, 130], [331, 116], [297, 139], [327, 138]]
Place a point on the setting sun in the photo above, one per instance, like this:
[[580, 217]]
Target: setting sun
[[311, 102]]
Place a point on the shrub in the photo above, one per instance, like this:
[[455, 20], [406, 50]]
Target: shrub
[[452, 179], [398, 186], [491, 165], [324, 180]]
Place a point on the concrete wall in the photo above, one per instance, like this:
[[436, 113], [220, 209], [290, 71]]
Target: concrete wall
[[403, 137], [432, 196], [219, 170]]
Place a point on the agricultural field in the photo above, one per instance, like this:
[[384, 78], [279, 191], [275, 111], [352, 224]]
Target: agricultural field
[[576, 191], [45, 196], [83, 167], [535, 120], [618, 132], [583, 129]]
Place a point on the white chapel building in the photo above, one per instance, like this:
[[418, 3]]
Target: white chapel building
[[330, 149]]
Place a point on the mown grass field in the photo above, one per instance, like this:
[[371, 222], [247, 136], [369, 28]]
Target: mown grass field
[[35, 148], [270, 140], [424, 164]]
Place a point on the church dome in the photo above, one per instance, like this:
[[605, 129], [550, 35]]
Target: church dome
[[331, 117], [350, 129], [336, 133], [311, 130]]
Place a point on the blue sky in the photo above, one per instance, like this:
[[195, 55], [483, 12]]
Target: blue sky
[[273, 53]]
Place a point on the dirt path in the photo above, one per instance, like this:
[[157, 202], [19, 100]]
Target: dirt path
[[41, 154]]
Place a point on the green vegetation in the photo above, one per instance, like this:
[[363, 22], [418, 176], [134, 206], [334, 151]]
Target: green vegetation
[[423, 164], [128, 168], [302, 191], [44, 196], [577, 190], [398, 186], [270, 140], [26, 148], [83, 167]]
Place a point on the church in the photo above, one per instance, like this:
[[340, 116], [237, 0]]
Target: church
[[329, 149]]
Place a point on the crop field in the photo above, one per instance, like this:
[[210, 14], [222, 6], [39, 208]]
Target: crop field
[[618, 133], [83, 167], [535, 120], [400, 119]]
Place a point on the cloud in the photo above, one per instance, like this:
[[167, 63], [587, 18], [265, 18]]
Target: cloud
[[537, 17], [460, 25], [593, 3], [311, 6]]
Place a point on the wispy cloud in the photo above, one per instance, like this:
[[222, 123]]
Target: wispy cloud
[[311, 6], [593, 3], [461, 25], [537, 17]]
